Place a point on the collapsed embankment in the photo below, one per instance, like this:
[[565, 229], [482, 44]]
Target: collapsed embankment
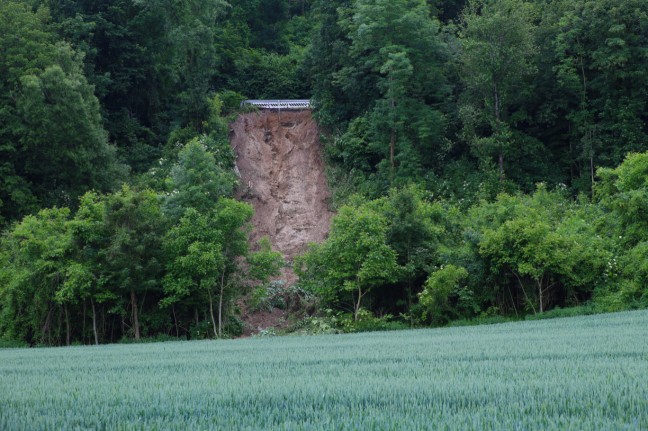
[[282, 175]]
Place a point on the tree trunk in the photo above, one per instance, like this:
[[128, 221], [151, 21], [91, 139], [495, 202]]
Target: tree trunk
[[211, 312], [83, 323], [524, 292], [513, 302], [220, 305], [94, 322], [392, 150], [46, 326], [59, 332], [592, 167], [136, 325], [67, 325], [501, 167], [356, 308], [497, 122], [392, 140], [540, 295], [175, 320]]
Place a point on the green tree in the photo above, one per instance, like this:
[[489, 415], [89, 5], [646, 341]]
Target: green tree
[[396, 48], [197, 180], [623, 193], [355, 258], [601, 69], [497, 57], [439, 288], [52, 139], [85, 277], [153, 63], [204, 250], [545, 242], [416, 230], [327, 54], [233, 218], [62, 137], [196, 261], [264, 262], [34, 258], [132, 254]]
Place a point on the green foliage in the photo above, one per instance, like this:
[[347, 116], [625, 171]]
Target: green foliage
[[196, 259], [269, 75], [601, 66], [132, 254], [203, 251], [33, 265], [497, 40], [439, 288], [51, 134], [273, 295], [539, 240], [624, 192], [376, 67], [355, 258], [264, 263], [197, 181]]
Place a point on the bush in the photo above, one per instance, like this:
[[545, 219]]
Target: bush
[[12, 344], [234, 327], [482, 320], [582, 310], [160, 338]]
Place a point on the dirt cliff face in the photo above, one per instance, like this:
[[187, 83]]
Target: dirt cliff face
[[282, 175]]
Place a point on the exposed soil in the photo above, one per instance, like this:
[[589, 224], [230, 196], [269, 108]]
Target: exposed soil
[[282, 176], [255, 322]]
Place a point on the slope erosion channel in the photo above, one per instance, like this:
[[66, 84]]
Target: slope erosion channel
[[282, 176]]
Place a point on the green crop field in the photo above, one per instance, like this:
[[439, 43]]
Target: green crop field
[[584, 373]]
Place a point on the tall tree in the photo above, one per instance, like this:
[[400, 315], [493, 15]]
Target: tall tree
[[601, 69], [33, 261], [197, 181], [153, 64], [196, 261], [396, 48], [497, 40], [52, 139], [233, 218], [354, 259], [85, 275], [133, 254]]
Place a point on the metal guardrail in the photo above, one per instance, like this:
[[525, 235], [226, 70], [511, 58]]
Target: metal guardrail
[[278, 104]]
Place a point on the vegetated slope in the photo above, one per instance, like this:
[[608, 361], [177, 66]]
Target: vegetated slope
[[583, 373], [282, 176]]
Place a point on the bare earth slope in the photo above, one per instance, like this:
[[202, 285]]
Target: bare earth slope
[[282, 176]]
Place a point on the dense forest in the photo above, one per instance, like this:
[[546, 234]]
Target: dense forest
[[487, 158]]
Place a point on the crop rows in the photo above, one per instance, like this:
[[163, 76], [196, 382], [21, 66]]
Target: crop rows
[[582, 373]]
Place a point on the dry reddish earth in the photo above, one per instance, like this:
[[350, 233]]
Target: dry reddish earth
[[282, 176]]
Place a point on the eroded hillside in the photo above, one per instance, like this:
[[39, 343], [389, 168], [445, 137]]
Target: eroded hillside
[[282, 176]]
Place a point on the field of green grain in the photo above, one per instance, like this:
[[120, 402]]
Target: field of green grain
[[584, 373]]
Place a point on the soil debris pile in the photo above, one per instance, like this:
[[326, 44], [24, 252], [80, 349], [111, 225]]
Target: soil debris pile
[[282, 175]]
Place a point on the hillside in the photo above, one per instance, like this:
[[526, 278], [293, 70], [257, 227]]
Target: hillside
[[282, 176], [278, 157]]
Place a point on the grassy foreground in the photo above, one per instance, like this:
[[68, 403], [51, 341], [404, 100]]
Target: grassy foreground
[[583, 373]]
